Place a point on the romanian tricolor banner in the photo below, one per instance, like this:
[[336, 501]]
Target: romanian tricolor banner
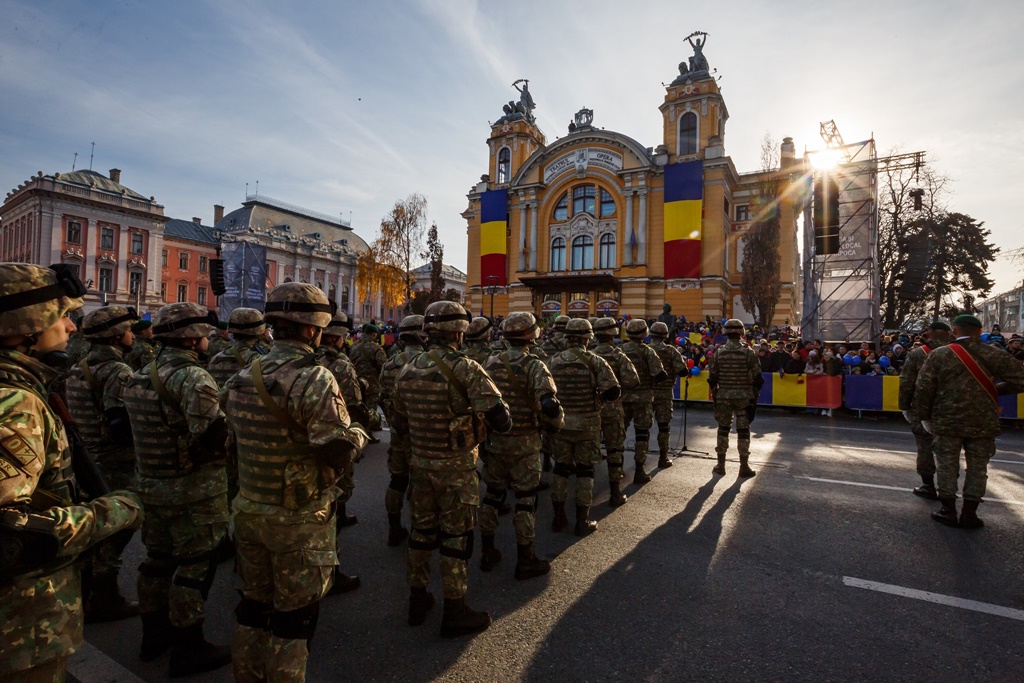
[[493, 229], [811, 391], [684, 193], [1013, 407], [875, 392], [692, 388]]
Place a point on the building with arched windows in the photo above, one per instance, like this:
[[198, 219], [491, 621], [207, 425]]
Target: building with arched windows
[[597, 223]]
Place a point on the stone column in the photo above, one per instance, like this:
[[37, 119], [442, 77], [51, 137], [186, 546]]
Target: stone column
[[641, 237], [91, 246], [522, 234], [627, 259], [533, 236], [122, 262]]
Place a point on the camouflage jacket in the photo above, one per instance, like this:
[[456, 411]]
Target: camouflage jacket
[[581, 377], [550, 346], [530, 381], [948, 395], [479, 351], [671, 360], [389, 373], [620, 365], [143, 351], [735, 368], [89, 403], [368, 357], [908, 375], [234, 358], [78, 348], [647, 365], [344, 373], [217, 344]]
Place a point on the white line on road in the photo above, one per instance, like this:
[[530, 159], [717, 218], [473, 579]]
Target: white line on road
[[892, 488], [937, 598], [886, 450]]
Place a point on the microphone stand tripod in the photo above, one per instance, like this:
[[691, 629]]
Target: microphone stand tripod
[[686, 406]]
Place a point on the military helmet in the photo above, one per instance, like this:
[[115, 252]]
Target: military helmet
[[659, 330], [299, 302], [183, 320], [109, 321], [521, 325], [605, 326], [339, 325], [734, 325], [410, 325], [593, 319], [579, 327], [34, 298], [636, 328], [247, 322], [561, 321], [478, 329], [445, 316]]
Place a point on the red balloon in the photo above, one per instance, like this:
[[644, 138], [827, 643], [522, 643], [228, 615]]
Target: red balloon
[[689, 362]]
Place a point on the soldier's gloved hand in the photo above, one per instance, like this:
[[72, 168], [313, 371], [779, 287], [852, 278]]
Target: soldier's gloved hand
[[549, 405], [906, 416], [131, 501], [927, 424], [660, 376]]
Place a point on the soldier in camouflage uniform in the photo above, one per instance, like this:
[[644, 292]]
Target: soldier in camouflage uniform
[[413, 339], [94, 388], [961, 409], [179, 433], [294, 439], [43, 525], [78, 348], [247, 330], [675, 366], [584, 380], [143, 347], [219, 340], [477, 343], [938, 336], [733, 373], [514, 457], [368, 357], [613, 427], [638, 404], [442, 402], [553, 338]]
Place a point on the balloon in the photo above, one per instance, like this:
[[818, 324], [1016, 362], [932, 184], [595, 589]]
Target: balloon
[[847, 359], [855, 360], [985, 337], [689, 363], [884, 361], [694, 371]]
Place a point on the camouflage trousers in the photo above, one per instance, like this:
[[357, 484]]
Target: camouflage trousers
[[925, 450], [977, 452], [522, 473], [40, 624], [613, 435], [443, 506], [106, 555], [641, 415], [179, 568], [398, 466], [575, 452], [725, 410], [346, 485], [663, 409], [286, 567], [53, 671], [371, 397]]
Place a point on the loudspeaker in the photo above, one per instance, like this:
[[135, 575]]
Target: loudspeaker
[[825, 215], [217, 276], [918, 249]]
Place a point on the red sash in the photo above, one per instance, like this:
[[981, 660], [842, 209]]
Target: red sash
[[972, 366], [926, 348]]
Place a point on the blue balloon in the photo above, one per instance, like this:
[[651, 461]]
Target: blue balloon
[[695, 371], [884, 361], [985, 337], [855, 360], [847, 359]]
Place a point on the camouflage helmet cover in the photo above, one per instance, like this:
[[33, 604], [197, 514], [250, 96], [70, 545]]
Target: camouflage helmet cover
[[183, 320], [605, 326], [109, 321], [636, 328], [734, 325], [246, 321], [445, 316], [299, 302], [561, 321], [411, 324], [521, 325], [659, 330], [34, 298], [339, 325], [579, 327], [478, 328]]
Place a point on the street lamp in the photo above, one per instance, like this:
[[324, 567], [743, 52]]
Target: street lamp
[[493, 288]]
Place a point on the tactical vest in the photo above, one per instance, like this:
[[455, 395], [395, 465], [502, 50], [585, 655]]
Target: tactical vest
[[428, 406], [160, 431], [575, 381], [669, 359], [85, 400], [518, 395], [638, 353], [734, 380]]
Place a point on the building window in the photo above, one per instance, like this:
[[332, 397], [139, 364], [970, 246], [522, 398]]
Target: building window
[[688, 133], [344, 299], [183, 260], [74, 232], [320, 286], [136, 242], [182, 292], [606, 257], [332, 294], [203, 263], [583, 200], [201, 296], [607, 204], [106, 238], [562, 208], [743, 212], [135, 282], [163, 291], [106, 279], [557, 254], [504, 165], [163, 257], [583, 252]]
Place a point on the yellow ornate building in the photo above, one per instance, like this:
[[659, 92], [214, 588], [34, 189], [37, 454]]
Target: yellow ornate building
[[584, 225]]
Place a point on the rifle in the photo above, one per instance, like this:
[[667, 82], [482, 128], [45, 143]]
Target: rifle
[[89, 478]]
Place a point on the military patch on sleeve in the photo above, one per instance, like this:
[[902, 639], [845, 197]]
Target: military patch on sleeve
[[7, 470], [18, 448]]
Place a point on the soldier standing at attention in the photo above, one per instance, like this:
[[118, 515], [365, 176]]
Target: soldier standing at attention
[[733, 372], [179, 433], [938, 336], [94, 388], [552, 343], [291, 428], [413, 339], [477, 342], [675, 366], [527, 387], [956, 399], [43, 528], [219, 340], [247, 330], [584, 380], [638, 404], [442, 402], [613, 427], [368, 358], [78, 348], [143, 347]]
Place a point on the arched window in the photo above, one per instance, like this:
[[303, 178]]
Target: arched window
[[688, 133], [332, 294], [606, 255], [287, 279], [583, 252], [607, 204], [344, 298], [320, 286], [562, 207], [557, 254], [504, 165], [583, 200]]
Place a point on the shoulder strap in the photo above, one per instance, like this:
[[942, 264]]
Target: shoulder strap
[[447, 372], [972, 367], [160, 388], [269, 403], [238, 356], [517, 386], [583, 359], [90, 378]]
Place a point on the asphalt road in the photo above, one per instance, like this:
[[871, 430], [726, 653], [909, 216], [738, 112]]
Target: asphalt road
[[823, 567]]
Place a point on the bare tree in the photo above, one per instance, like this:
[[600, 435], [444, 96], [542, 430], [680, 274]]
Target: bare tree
[[401, 237], [762, 264]]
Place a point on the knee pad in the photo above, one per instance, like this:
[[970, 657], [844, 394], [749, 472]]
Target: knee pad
[[399, 482], [494, 497], [209, 570], [562, 469], [724, 431], [157, 570], [298, 624], [424, 539], [642, 434], [743, 433], [663, 426], [253, 613], [584, 471], [465, 540]]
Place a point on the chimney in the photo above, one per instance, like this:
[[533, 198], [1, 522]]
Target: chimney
[[788, 151], [196, 219], [218, 213], [115, 175]]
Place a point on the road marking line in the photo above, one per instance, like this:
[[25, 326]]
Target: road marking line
[[893, 488], [938, 598], [1009, 462], [886, 450], [90, 665]]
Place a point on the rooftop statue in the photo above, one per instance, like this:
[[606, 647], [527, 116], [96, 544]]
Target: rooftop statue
[[698, 63], [524, 107]]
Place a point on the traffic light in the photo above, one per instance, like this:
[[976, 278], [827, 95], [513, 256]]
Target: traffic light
[[217, 276], [825, 215]]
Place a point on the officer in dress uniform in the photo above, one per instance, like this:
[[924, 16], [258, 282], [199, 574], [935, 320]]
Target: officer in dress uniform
[[938, 336]]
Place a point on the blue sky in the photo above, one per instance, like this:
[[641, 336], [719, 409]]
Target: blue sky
[[347, 106]]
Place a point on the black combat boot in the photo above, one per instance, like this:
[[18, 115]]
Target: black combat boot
[[106, 602], [396, 532], [745, 470], [343, 583], [927, 488], [344, 519], [490, 556], [720, 467], [969, 517], [543, 485], [616, 497], [529, 565], [560, 521], [460, 620], [421, 601], [947, 513], [157, 633], [584, 525], [663, 461], [192, 654], [640, 477]]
